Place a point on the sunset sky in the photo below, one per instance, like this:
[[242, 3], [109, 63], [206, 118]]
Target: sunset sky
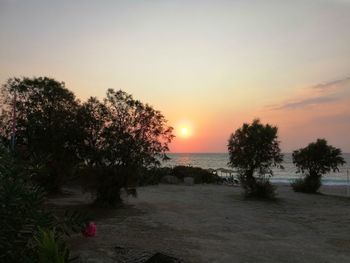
[[208, 66]]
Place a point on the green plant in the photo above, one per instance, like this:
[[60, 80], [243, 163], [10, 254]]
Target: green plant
[[254, 150], [49, 248], [23, 212], [313, 161]]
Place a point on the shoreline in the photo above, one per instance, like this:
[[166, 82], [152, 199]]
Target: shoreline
[[325, 181], [327, 190]]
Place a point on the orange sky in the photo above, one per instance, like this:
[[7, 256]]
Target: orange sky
[[311, 112], [207, 65]]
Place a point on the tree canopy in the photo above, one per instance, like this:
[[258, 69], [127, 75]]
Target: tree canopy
[[46, 127], [58, 131], [315, 160], [318, 158], [254, 148], [125, 131]]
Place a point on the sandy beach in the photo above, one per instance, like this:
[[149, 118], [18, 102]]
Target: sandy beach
[[212, 223]]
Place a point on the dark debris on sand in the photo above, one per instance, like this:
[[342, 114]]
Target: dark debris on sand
[[128, 255]]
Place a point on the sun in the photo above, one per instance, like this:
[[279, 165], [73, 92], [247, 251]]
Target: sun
[[184, 131]]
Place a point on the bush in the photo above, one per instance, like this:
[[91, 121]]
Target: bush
[[153, 175], [306, 185], [22, 213], [261, 189], [50, 249], [199, 175], [315, 160]]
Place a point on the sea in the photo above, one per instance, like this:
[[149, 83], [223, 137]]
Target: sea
[[287, 175]]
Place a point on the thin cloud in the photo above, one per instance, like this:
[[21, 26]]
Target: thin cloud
[[331, 92], [306, 102], [331, 84]]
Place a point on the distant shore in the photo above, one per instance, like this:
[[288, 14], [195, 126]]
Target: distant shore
[[220, 160]]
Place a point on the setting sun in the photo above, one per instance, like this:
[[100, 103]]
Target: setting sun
[[184, 131]]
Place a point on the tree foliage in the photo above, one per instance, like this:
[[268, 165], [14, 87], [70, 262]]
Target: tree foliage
[[124, 136], [93, 118], [46, 127], [254, 150], [136, 134], [56, 134], [315, 160], [23, 213]]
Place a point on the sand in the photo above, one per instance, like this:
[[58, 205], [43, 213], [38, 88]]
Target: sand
[[212, 223]]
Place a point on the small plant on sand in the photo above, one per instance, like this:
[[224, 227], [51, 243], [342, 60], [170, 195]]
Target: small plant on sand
[[254, 150], [315, 160], [50, 248]]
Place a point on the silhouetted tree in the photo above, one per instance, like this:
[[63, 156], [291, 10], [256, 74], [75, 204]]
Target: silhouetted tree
[[136, 133], [254, 150], [315, 160], [46, 127], [114, 139], [93, 119], [126, 136]]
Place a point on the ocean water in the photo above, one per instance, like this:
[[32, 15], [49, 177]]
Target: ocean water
[[220, 160]]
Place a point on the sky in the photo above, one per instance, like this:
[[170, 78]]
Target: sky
[[208, 66]]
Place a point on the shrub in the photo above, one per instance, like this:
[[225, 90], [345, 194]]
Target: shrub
[[306, 185], [313, 161], [262, 188], [50, 249], [154, 175], [199, 175], [22, 213], [254, 150]]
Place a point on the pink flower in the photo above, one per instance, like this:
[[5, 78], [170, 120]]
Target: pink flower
[[89, 230]]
